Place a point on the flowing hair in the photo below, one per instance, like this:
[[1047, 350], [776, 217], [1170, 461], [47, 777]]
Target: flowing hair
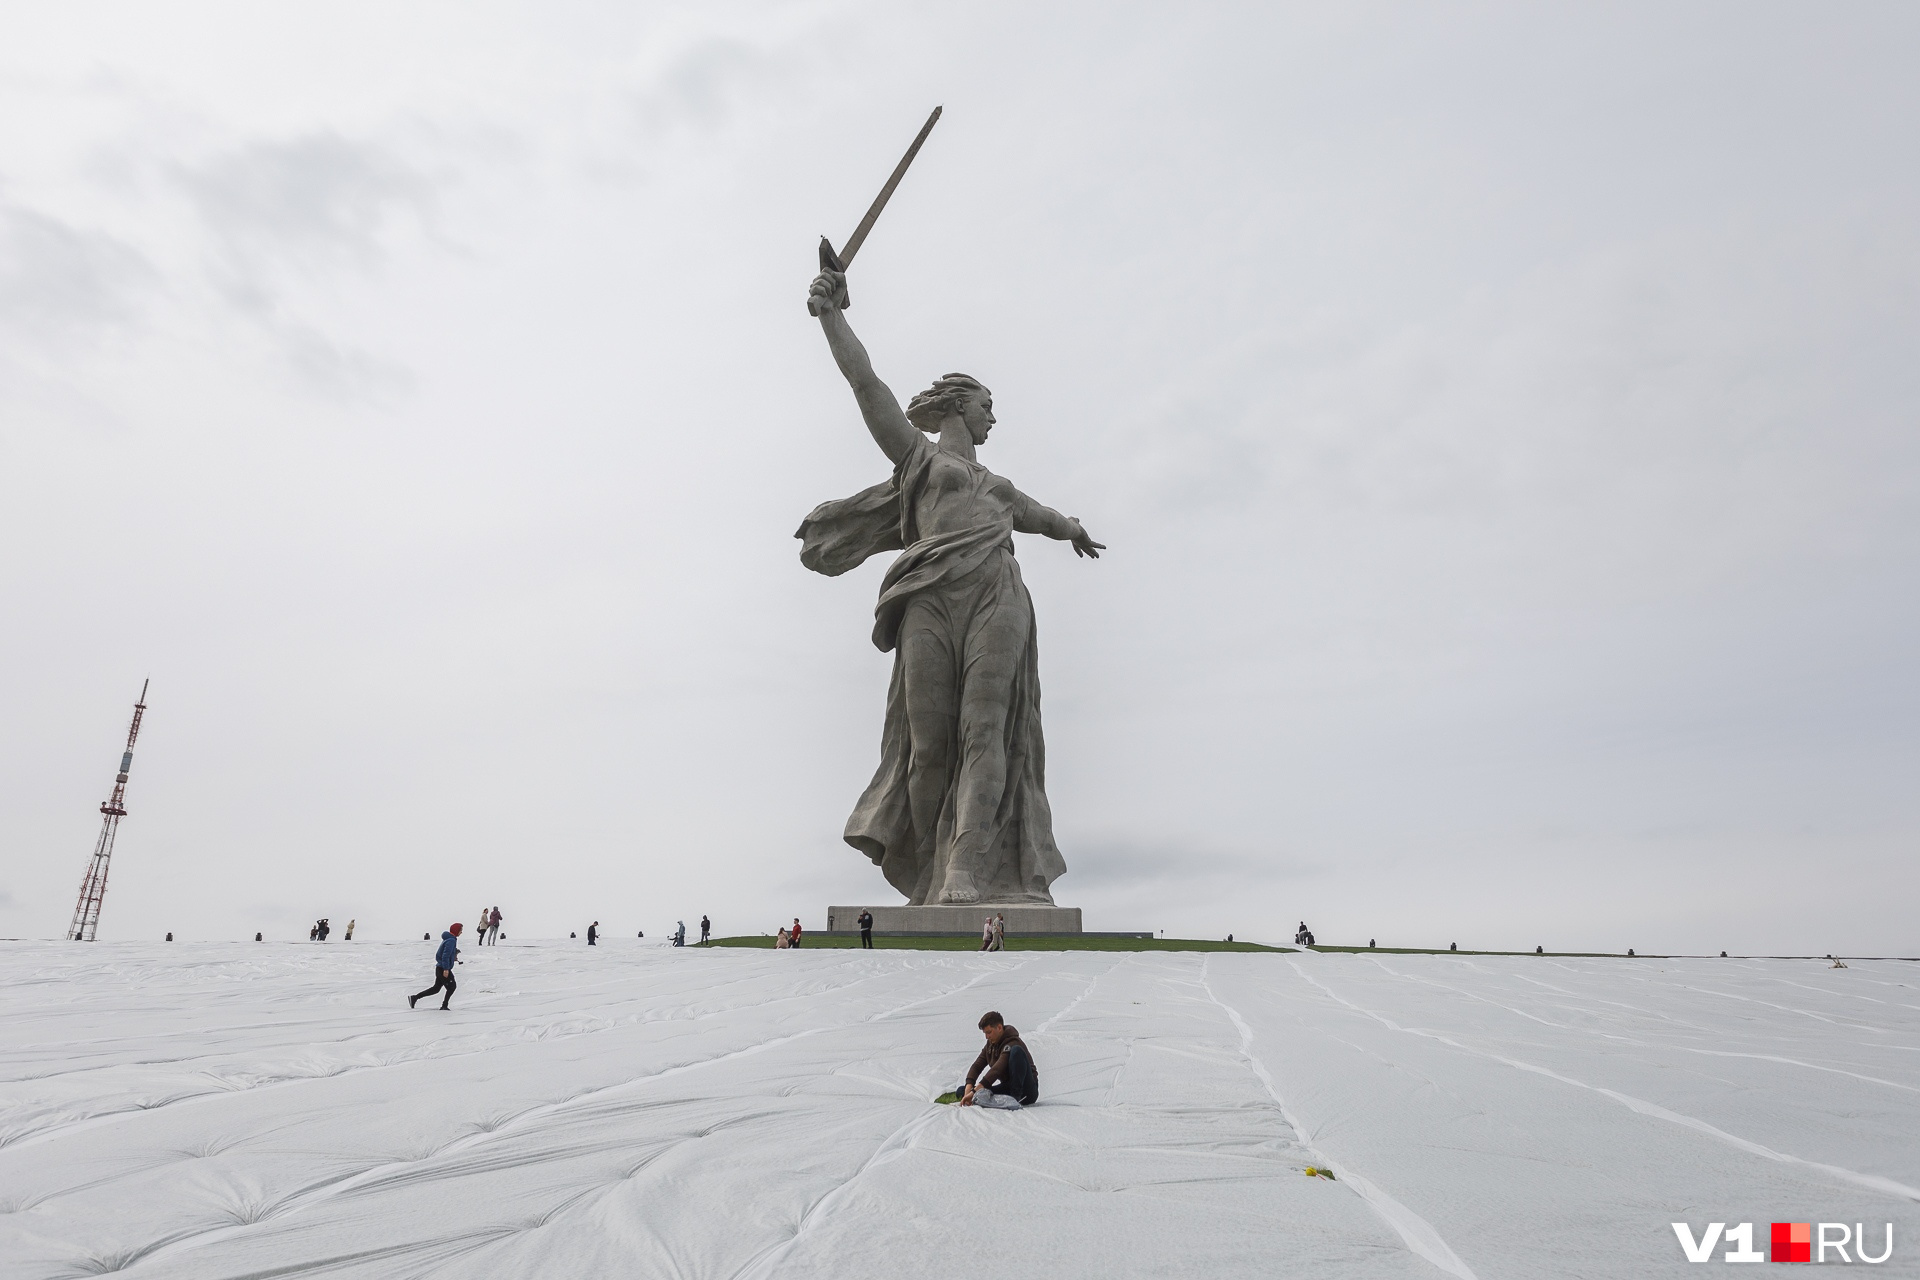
[[926, 410]]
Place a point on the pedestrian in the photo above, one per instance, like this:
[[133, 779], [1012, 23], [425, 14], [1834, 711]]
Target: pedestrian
[[866, 929], [493, 932], [1000, 931], [313, 934], [784, 941], [324, 928], [480, 930], [350, 925], [593, 933], [986, 935], [680, 934], [795, 935], [443, 961], [706, 927]]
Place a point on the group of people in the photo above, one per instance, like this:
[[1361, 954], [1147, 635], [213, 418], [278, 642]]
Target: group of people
[[1003, 1076], [1302, 937], [993, 934], [679, 934], [488, 929], [321, 928]]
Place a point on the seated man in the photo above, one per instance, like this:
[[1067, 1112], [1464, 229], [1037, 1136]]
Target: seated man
[[1003, 1076]]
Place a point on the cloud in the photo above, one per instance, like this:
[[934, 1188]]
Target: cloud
[[287, 215], [62, 287], [310, 204]]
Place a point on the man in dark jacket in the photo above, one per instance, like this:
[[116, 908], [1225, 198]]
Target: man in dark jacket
[[866, 928], [443, 962], [1003, 1076]]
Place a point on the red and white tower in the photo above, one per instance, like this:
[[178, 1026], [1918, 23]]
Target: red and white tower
[[86, 912]]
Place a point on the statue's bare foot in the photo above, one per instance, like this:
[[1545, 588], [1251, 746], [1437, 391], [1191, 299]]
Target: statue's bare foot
[[959, 890]]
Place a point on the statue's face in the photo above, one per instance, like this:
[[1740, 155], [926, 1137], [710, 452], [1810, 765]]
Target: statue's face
[[977, 412]]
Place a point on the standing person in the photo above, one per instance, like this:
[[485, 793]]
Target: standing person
[[443, 961], [493, 927], [480, 930], [680, 934], [324, 928], [795, 935], [593, 933], [706, 927], [1000, 931], [986, 935], [350, 925], [866, 929]]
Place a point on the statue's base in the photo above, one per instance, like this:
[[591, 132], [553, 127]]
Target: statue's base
[[1022, 918]]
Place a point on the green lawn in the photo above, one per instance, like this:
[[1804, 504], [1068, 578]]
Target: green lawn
[[1441, 951], [1088, 942]]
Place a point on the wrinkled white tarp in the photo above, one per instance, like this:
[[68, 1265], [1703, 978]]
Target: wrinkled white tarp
[[227, 1110]]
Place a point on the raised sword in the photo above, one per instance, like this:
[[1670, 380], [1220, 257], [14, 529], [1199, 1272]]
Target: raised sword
[[831, 261]]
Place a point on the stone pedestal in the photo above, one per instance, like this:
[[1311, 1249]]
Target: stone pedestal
[[929, 921]]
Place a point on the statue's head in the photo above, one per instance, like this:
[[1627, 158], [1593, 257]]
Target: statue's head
[[956, 393]]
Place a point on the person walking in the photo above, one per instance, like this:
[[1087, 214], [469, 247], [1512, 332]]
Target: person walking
[[795, 935], [480, 930], [986, 935], [350, 925], [866, 929], [443, 961], [493, 927], [593, 933], [706, 927], [324, 928], [1000, 931]]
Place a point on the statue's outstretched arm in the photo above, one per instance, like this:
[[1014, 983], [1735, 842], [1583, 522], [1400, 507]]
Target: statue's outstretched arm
[[891, 430], [1030, 517]]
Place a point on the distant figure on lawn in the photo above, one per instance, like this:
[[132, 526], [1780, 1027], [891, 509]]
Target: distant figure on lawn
[[1000, 931], [593, 933], [493, 927], [706, 927], [795, 935], [350, 925], [680, 934], [986, 935], [480, 929], [866, 928], [784, 941], [1303, 937], [443, 961], [1003, 1077]]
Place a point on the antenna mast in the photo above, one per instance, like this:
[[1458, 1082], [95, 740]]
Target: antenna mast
[[93, 889]]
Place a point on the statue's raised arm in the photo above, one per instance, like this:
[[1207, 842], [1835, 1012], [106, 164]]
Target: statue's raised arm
[[878, 405]]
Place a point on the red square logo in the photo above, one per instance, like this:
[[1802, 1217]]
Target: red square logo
[[1793, 1242]]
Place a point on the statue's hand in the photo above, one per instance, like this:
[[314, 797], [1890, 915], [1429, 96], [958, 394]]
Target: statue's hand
[[1083, 545], [828, 292]]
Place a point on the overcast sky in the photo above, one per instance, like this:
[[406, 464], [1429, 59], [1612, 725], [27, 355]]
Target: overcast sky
[[1502, 419]]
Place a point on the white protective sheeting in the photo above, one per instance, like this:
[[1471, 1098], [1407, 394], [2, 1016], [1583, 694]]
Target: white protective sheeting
[[229, 1110]]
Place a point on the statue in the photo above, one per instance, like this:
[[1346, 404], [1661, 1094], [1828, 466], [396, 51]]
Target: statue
[[957, 811]]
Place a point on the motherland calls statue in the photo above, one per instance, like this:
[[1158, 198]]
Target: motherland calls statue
[[957, 811]]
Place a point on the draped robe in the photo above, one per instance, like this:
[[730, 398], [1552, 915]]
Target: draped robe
[[956, 615]]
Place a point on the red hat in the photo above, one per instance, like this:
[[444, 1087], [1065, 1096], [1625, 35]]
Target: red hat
[[454, 927]]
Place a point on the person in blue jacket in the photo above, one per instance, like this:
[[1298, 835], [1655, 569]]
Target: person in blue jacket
[[443, 962]]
